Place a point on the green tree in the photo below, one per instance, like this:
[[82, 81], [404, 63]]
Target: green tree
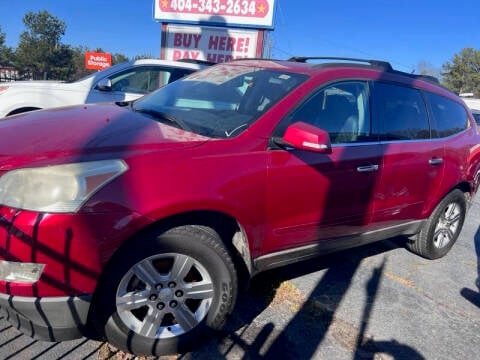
[[61, 65], [144, 56], [40, 51], [119, 58], [79, 62], [462, 74], [6, 53]]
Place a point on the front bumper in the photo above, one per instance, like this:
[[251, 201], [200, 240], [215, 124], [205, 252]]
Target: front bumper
[[73, 247], [50, 319]]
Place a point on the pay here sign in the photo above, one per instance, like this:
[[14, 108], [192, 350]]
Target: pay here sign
[[211, 44]]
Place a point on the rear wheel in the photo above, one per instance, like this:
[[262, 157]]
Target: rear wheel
[[442, 228], [162, 296]]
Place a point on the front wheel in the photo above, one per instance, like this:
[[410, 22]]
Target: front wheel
[[162, 295], [442, 228]]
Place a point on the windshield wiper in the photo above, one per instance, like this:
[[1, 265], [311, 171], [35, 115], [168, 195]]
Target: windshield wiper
[[160, 115]]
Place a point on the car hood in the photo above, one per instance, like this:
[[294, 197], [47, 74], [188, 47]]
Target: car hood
[[50, 84], [84, 132], [50, 87]]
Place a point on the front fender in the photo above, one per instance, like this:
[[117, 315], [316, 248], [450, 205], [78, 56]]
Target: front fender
[[16, 99]]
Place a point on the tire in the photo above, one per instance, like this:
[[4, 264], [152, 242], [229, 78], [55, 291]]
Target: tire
[[442, 228], [162, 294]]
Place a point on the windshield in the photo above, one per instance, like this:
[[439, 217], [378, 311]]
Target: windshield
[[221, 101], [95, 73]]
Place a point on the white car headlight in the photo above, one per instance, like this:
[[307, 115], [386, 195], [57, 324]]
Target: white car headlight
[[59, 188]]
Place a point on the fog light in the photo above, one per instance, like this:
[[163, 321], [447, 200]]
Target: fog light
[[20, 272]]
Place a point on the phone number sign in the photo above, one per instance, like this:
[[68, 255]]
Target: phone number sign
[[243, 13]]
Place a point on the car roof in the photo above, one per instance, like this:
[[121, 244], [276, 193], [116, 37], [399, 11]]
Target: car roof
[[304, 64], [317, 64], [171, 63]]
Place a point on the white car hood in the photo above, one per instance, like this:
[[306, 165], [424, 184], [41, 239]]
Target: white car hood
[[50, 84], [41, 95]]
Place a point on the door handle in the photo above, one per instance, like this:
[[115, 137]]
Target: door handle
[[367, 168], [435, 161]]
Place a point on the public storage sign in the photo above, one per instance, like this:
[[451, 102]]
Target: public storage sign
[[245, 13], [208, 43], [97, 61]]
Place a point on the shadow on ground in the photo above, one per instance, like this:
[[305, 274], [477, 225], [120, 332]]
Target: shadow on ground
[[311, 317], [474, 295]]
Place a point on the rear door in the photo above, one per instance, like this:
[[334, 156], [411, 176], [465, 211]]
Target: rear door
[[413, 162], [450, 124]]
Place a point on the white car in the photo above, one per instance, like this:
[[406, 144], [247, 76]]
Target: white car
[[123, 82], [473, 104]]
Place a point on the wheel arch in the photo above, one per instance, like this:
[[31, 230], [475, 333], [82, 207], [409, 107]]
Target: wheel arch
[[229, 229], [467, 189], [103, 321], [463, 186], [23, 110]]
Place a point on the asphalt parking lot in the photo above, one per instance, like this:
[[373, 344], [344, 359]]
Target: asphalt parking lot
[[374, 302]]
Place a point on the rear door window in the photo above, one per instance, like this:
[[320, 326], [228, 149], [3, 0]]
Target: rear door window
[[399, 113], [448, 117]]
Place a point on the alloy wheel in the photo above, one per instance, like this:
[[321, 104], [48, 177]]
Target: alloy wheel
[[164, 296], [447, 225]]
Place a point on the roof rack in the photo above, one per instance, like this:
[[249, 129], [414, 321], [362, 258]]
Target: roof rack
[[383, 64], [378, 63], [428, 78]]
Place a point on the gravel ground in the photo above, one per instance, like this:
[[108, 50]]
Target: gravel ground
[[374, 302]]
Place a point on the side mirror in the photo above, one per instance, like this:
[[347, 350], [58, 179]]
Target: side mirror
[[303, 136], [104, 85]]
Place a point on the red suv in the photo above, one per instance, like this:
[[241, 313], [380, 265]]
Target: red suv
[[140, 218]]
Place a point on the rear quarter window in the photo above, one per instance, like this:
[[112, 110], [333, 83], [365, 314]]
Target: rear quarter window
[[448, 116]]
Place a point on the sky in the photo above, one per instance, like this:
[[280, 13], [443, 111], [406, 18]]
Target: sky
[[403, 32]]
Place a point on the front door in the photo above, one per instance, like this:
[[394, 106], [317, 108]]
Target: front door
[[312, 196]]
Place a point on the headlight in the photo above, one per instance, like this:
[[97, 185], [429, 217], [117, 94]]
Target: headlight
[[60, 188]]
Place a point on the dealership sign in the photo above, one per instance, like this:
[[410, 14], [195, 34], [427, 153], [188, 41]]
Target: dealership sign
[[97, 61], [237, 13], [209, 43]]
